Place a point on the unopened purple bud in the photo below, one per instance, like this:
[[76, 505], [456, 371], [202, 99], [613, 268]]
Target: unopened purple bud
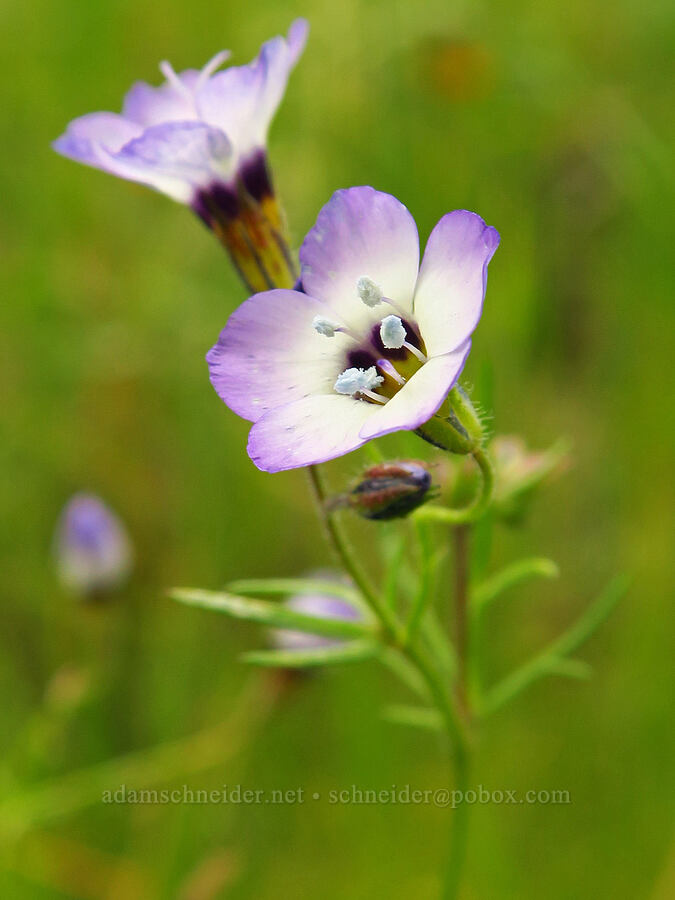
[[323, 606], [92, 548], [391, 490]]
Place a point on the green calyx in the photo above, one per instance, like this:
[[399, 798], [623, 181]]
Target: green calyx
[[456, 427]]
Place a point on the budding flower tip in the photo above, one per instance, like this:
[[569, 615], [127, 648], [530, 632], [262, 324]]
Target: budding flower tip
[[392, 490]]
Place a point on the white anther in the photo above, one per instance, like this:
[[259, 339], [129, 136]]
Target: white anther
[[354, 381], [325, 326], [392, 332], [369, 292]]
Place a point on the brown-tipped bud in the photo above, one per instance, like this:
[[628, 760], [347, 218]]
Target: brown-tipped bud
[[391, 490]]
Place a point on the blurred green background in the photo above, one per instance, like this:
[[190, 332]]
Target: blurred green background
[[554, 122]]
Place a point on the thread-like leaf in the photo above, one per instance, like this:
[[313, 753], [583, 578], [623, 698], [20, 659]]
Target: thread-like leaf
[[284, 587], [549, 661], [514, 574], [353, 651], [274, 615], [414, 716]]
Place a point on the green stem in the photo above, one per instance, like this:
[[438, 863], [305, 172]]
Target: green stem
[[343, 550], [468, 513], [452, 718], [423, 594], [459, 833], [461, 548]]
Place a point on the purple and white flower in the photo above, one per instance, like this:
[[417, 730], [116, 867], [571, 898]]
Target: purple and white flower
[[371, 343], [198, 134], [93, 551]]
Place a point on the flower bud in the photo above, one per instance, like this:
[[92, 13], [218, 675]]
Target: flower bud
[[456, 427], [519, 473], [93, 551], [323, 606], [391, 490]]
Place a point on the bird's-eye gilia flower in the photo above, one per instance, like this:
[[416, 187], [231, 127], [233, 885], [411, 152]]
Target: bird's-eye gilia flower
[[200, 138], [372, 344], [92, 548]]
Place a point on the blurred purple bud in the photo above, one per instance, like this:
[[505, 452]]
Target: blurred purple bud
[[92, 548], [323, 606]]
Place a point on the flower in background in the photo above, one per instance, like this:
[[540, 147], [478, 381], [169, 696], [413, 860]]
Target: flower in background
[[323, 606], [519, 472], [201, 139], [372, 344], [93, 550]]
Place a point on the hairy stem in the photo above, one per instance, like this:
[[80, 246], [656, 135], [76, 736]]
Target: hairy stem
[[461, 534], [475, 509]]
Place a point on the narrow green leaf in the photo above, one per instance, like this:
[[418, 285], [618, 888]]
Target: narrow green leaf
[[274, 615], [414, 716], [401, 667], [283, 587], [571, 668], [514, 574], [549, 660], [354, 651]]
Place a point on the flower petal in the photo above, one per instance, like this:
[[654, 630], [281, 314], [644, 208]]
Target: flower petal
[[451, 284], [175, 158], [309, 431], [85, 136], [149, 105], [242, 100], [361, 232], [269, 354], [420, 397]]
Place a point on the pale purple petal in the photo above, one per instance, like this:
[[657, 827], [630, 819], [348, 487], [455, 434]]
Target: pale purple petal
[[242, 100], [452, 280], [269, 353], [85, 137], [420, 397], [361, 232], [322, 606], [176, 158], [308, 432], [150, 105]]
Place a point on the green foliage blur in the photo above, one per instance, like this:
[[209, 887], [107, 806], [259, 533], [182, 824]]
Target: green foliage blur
[[554, 122]]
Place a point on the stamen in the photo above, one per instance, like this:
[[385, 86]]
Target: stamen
[[325, 326], [384, 365], [378, 398], [369, 292], [392, 332], [328, 328], [358, 381], [168, 72], [211, 67], [415, 351]]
